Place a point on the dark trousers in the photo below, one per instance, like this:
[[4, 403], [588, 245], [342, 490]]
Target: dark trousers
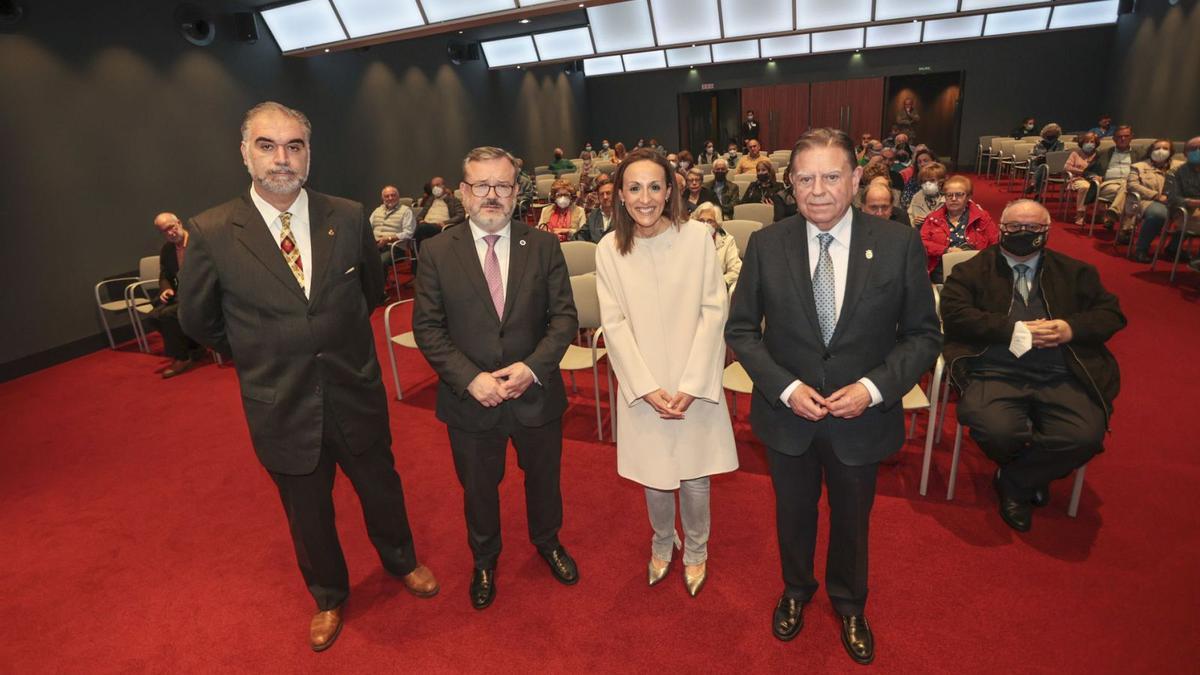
[[176, 344], [308, 502], [1037, 433], [479, 458], [797, 483]]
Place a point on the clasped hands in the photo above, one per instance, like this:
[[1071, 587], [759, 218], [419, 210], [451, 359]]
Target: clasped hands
[[847, 403], [492, 389], [1049, 332], [667, 406]]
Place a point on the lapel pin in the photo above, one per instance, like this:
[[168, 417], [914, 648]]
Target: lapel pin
[[331, 231], [521, 242], [870, 254]]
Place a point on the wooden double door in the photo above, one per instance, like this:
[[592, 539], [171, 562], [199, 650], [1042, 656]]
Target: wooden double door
[[787, 110]]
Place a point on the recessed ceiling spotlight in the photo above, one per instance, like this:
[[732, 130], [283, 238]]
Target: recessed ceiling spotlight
[[524, 21], [518, 67], [460, 32], [327, 50]]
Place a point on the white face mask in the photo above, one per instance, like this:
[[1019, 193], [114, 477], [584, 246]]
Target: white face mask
[[684, 164], [1160, 155], [563, 202], [605, 146], [437, 191], [930, 188], [1088, 148]]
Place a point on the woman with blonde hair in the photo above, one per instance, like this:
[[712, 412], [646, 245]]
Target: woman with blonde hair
[[728, 257]]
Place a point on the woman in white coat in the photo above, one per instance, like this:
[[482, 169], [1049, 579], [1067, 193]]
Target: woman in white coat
[[663, 306]]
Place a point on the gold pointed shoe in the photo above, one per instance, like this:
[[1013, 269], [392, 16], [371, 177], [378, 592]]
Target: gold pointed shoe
[[657, 574], [696, 582]]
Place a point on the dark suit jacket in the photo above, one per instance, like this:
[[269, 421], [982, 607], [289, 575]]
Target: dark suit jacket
[[887, 331], [294, 355], [456, 327], [1104, 158]]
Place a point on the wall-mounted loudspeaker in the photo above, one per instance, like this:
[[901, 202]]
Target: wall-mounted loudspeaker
[[573, 67], [195, 25], [245, 27], [11, 11], [459, 52]]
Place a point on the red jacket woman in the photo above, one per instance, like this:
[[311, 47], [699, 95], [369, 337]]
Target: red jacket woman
[[943, 230]]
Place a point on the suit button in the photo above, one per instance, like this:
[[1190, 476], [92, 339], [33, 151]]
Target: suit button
[[826, 356]]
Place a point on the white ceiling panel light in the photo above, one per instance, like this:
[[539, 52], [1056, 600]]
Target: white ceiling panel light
[[621, 26], [644, 61], [531, 3], [894, 34], [445, 10], [837, 40], [680, 21], [787, 45], [820, 13], [755, 17], [1084, 14], [957, 28], [604, 65], [972, 5], [1024, 21], [900, 9], [742, 50], [371, 17], [304, 24], [564, 44], [688, 56], [509, 51]]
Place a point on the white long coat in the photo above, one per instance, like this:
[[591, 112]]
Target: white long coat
[[663, 307]]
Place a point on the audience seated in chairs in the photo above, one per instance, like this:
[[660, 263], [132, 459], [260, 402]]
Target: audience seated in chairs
[[1083, 173], [561, 165], [929, 197], [183, 350], [762, 190], [728, 257], [436, 210], [749, 162], [1183, 187], [599, 219], [1051, 142], [1148, 180], [785, 199], [863, 147], [391, 221], [587, 150], [618, 153], [606, 151], [1036, 391], [564, 213], [922, 157], [694, 193], [526, 188], [957, 225], [709, 155], [727, 192], [877, 201], [1113, 168], [875, 170], [873, 149], [587, 178], [1104, 127], [1025, 128]]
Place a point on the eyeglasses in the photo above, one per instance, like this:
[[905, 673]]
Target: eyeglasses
[[955, 195], [712, 222], [1024, 227], [482, 189]]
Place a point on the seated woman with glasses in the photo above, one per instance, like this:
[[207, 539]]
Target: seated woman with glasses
[[564, 215], [727, 249], [695, 194], [958, 225]]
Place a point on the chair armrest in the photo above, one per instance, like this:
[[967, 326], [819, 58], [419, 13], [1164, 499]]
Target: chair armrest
[[111, 281], [387, 317]]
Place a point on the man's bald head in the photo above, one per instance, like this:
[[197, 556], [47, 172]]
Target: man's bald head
[[1025, 211], [1193, 144], [877, 200], [169, 227], [165, 219]]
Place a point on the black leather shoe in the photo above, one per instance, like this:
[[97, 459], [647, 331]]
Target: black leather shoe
[[1041, 496], [483, 588], [1141, 257], [1017, 514], [857, 639], [788, 618], [561, 565]]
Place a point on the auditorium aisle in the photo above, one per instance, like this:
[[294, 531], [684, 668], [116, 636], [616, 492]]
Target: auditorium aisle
[[142, 535]]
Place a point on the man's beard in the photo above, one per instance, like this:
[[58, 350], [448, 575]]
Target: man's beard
[[491, 219], [279, 180]]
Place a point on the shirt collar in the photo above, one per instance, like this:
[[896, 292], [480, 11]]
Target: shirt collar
[[478, 233], [840, 232], [1013, 262], [298, 208]]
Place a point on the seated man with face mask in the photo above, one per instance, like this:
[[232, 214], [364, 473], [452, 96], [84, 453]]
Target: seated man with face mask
[[726, 191], [1025, 333]]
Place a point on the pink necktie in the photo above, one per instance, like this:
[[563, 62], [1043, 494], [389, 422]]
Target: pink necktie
[[491, 272]]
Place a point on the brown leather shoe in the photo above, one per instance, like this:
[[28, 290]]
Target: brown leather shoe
[[324, 629], [177, 367], [421, 583]]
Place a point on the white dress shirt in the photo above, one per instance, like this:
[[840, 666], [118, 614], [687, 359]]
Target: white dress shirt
[[299, 227], [839, 252]]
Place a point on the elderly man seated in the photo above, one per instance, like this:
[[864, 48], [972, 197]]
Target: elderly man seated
[[1025, 330], [183, 350], [391, 222], [877, 201], [1183, 186]]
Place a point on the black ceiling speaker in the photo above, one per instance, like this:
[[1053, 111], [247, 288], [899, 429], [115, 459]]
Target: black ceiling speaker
[[195, 25], [459, 52], [245, 27], [11, 11]]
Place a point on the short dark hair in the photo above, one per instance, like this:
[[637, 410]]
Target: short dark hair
[[622, 221], [824, 137]]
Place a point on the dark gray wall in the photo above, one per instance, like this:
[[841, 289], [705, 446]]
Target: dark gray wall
[[1157, 83], [1005, 79], [108, 117]]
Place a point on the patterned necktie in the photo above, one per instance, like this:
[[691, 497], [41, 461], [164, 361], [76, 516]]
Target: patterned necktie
[[491, 272], [824, 289], [288, 245], [1023, 281]]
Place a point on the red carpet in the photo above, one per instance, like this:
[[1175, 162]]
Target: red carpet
[[142, 535]]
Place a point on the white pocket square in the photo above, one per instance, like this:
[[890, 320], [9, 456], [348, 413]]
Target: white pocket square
[[348, 271]]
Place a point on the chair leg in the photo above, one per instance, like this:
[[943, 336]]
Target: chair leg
[[596, 391], [958, 435], [1076, 491], [931, 426], [612, 403], [107, 331]]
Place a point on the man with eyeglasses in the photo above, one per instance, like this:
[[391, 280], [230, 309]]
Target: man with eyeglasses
[[493, 316], [1025, 331]]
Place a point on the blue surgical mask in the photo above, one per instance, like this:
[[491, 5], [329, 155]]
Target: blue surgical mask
[[1193, 156], [1088, 148]]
